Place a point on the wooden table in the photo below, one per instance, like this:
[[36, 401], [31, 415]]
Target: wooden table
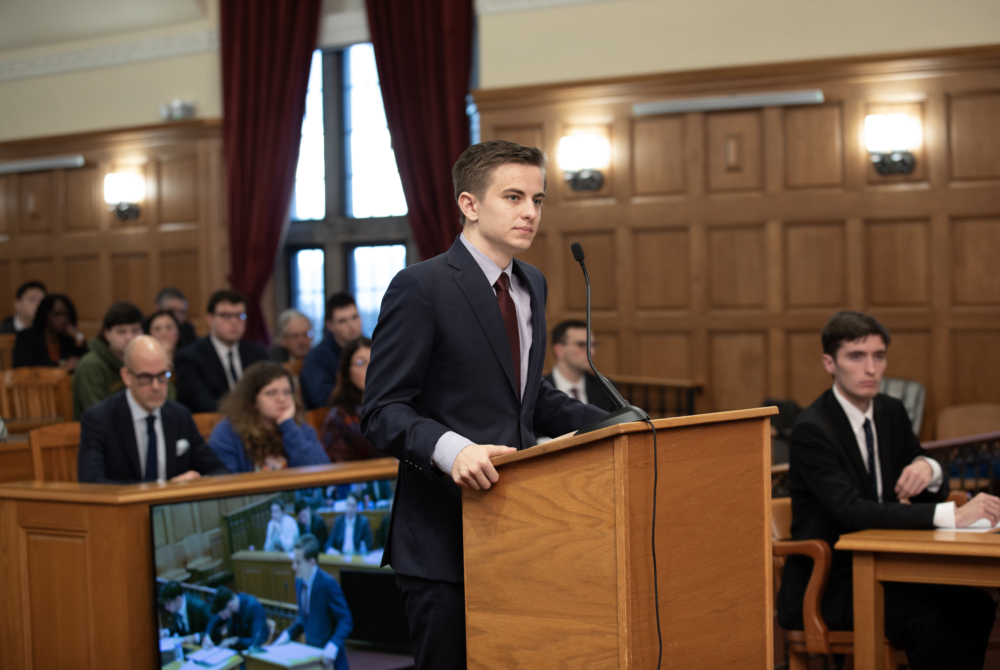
[[920, 556], [269, 574]]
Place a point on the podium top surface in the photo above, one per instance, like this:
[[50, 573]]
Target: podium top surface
[[206, 487], [570, 441]]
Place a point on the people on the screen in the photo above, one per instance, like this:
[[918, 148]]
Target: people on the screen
[[282, 530], [26, 300], [261, 431], [342, 438], [352, 534], [310, 523], [213, 366], [238, 621], [190, 613], [99, 373], [295, 337], [138, 434], [53, 339], [319, 373], [323, 613]]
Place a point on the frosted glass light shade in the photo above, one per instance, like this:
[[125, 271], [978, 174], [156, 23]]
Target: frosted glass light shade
[[887, 133], [123, 187], [584, 152]]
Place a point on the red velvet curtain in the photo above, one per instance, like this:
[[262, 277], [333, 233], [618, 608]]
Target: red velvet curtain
[[267, 48], [423, 51]]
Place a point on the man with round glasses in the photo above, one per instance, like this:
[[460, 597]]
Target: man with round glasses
[[138, 435]]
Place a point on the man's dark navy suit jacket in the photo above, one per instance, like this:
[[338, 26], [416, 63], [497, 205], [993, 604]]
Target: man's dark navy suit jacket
[[441, 362]]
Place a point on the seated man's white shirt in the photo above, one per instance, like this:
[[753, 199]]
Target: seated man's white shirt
[[222, 351], [567, 387], [348, 546], [281, 536]]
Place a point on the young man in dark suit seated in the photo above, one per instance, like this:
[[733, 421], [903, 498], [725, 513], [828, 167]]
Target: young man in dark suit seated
[[26, 300], [571, 373], [137, 435], [310, 522], [211, 367], [323, 613], [238, 621], [854, 461], [191, 614], [351, 531]]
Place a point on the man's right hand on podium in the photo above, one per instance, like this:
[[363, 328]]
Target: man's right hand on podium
[[472, 468]]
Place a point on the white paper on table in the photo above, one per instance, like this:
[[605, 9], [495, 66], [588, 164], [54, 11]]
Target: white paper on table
[[191, 665], [373, 557], [978, 526], [212, 657], [289, 652]]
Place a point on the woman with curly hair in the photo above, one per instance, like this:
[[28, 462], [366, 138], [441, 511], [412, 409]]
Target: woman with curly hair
[[261, 430], [342, 436]]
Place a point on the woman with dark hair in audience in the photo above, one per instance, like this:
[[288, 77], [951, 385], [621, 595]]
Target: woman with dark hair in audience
[[342, 436], [164, 327], [53, 339], [261, 430]]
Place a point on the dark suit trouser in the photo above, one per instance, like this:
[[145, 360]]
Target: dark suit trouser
[[940, 627], [436, 613]]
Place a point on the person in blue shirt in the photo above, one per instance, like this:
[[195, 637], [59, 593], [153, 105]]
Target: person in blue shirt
[[319, 371], [238, 621], [261, 431], [323, 613]]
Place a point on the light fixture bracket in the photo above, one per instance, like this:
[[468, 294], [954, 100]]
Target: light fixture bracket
[[894, 162], [125, 211], [584, 180]]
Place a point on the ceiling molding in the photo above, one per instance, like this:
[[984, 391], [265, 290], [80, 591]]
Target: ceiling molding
[[487, 7], [171, 46]]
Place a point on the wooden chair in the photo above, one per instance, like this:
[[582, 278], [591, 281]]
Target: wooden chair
[[170, 560], [295, 367], [963, 420], [816, 638], [316, 417], [198, 554], [35, 397], [54, 452], [206, 422], [7, 350]]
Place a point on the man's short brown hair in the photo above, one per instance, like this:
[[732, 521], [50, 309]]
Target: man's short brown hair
[[475, 167], [849, 326]]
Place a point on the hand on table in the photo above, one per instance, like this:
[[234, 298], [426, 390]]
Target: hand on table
[[188, 476], [229, 642], [983, 506], [472, 468], [915, 478], [283, 638]]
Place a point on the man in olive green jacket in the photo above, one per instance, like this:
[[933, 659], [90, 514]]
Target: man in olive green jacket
[[98, 374]]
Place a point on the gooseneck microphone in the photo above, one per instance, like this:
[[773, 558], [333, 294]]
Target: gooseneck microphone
[[625, 413]]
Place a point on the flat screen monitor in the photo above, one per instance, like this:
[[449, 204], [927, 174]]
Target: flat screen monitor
[[226, 584]]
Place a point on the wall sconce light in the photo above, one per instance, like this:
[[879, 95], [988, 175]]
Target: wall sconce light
[[582, 157], [890, 138], [123, 191]]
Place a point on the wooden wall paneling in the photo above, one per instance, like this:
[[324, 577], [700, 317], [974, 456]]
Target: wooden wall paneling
[[910, 358], [898, 260], [974, 130], [130, 279], [526, 135], [36, 202], [974, 263], [84, 286], [975, 366], [739, 370], [814, 146], [537, 254], [815, 265], [664, 355], [601, 266], [84, 198], [177, 182], [936, 143], [606, 358], [160, 537], [806, 376], [41, 269], [8, 203], [914, 110], [658, 164], [737, 270], [661, 269], [7, 287], [179, 269], [733, 150]]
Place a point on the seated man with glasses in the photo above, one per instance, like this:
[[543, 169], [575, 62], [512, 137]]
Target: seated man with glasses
[[571, 373], [211, 367], [137, 435]]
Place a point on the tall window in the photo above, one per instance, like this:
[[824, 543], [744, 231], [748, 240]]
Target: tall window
[[309, 199], [369, 271], [308, 286], [372, 180]]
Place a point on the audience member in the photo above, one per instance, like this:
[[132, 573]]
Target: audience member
[[323, 613], [99, 373], [238, 621], [282, 530], [212, 366], [310, 523], [261, 430], [53, 339], [352, 534], [295, 337], [175, 301], [138, 434], [854, 462], [163, 326], [319, 374], [29, 294], [571, 373], [342, 436], [191, 615]]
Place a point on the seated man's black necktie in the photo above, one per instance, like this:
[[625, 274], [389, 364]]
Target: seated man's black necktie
[[151, 458], [232, 368], [870, 443], [509, 313]]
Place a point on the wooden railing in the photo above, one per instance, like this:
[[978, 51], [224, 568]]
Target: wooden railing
[[972, 464], [660, 398], [247, 526]]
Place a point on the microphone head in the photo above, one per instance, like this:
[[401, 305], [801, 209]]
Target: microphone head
[[577, 252]]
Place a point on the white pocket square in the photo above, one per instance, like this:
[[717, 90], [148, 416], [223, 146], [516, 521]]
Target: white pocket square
[[182, 447]]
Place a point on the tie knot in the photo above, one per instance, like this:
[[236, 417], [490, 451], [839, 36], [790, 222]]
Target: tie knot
[[151, 420], [503, 283]]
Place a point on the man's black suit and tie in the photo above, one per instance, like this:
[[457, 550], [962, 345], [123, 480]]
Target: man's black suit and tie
[[455, 378], [853, 459]]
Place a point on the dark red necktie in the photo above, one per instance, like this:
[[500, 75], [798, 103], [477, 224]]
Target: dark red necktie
[[509, 314]]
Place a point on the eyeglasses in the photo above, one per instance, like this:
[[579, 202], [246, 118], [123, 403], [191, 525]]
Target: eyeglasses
[[583, 345], [145, 379], [231, 316], [275, 393], [360, 362]]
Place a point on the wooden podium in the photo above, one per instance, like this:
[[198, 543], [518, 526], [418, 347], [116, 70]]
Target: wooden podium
[[558, 555]]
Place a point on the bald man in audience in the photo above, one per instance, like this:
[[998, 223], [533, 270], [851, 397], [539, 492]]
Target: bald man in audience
[[138, 435]]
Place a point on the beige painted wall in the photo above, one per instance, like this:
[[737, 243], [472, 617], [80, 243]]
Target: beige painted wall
[[627, 37]]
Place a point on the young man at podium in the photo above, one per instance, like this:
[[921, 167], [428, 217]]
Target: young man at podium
[[854, 460], [456, 378]]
